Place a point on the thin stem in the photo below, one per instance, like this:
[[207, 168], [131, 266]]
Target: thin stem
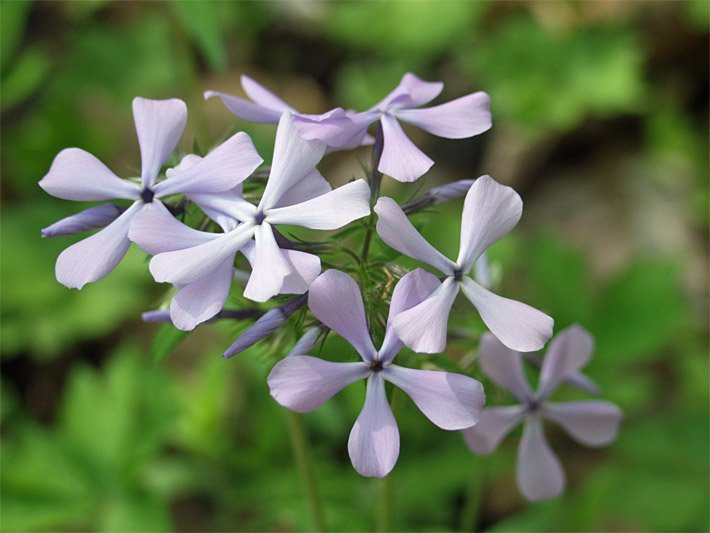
[[299, 443], [375, 179], [474, 494]]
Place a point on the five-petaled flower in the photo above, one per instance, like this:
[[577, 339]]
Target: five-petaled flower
[[490, 211], [591, 422], [302, 383]]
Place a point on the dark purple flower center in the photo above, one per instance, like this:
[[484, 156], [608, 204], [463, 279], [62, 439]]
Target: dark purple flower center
[[458, 275], [376, 366], [259, 218], [147, 195], [533, 405]]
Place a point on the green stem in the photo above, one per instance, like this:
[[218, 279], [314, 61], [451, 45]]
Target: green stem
[[375, 179], [472, 507], [299, 443]]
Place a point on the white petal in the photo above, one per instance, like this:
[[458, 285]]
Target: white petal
[[495, 423], [246, 109], [397, 231], [517, 325], [264, 97], [374, 440], [451, 401], [332, 210], [156, 231], [490, 211], [334, 298], [159, 124], [539, 473], [411, 290], [591, 422], [305, 268], [222, 169], [302, 383], [464, 117], [569, 351], [270, 267], [75, 174], [95, 257], [199, 301], [504, 366], [181, 267], [294, 158], [424, 327], [401, 159], [311, 186]]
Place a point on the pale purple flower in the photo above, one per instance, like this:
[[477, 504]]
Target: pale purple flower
[[290, 198], [458, 119], [77, 175], [490, 211], [335, 128], [302, 383], [592, 422]]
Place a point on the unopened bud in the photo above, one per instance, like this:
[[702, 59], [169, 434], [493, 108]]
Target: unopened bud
[[437, 195]]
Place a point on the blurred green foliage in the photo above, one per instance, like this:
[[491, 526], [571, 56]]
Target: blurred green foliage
[[151, 430]]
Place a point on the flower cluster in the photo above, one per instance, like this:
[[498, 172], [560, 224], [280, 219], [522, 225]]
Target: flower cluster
[[240, 215]]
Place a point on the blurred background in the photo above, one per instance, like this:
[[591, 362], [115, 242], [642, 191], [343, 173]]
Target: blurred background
[[600, 122]]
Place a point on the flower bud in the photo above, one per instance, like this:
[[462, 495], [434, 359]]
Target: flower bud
[[437, 195]]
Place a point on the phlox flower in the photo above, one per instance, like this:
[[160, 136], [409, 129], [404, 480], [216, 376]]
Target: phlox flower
[[335, 128], [302, 382], [458, 119], [592, 422], [77, 175], [490, 211], [290, 178]]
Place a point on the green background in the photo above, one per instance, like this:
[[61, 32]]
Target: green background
[[600, 122]]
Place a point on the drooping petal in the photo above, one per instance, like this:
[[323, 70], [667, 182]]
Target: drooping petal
[[504, 366], [75, 174], [264, 97], [334, 298], [490, 211], [411, 290], [294, 158], [159, 124], [423, 327], [246, 109], [397, 231], [181, 267], [222, 169], [492, 427], [569, 351], [88, 219], [417, 91], [591, 422], [305, 268], [401, 159], [539, 472], [311, 186], [199, 301], [331, 210], [451, 401], [458, 119], [374, 440], [517, 325], [335, 128], [270, 266], [156, 231], [302, 383], [95, 257]]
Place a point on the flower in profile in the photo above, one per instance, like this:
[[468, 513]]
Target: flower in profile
[[289, 198], [335, 128], [591, 422], [77, 175], [302, 382], [490, 211], [458, 119]]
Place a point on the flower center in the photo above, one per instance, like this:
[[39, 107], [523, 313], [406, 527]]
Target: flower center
[[376, 366], [533, 406], [458, 275], [147, 195], [259, 218]]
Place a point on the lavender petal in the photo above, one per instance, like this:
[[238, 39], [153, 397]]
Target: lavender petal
[[492, 427], [88, 219], [539, 473], [591, 422], [504, 366], [458, 119], [401, 159], [569, 351]]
